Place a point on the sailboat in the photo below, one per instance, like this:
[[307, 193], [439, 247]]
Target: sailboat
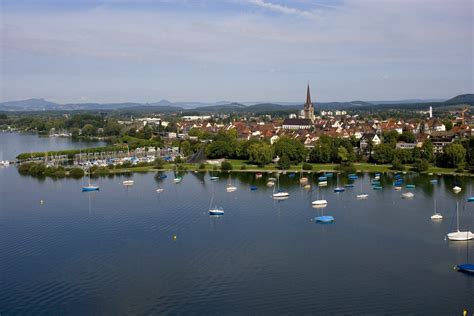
[[178, 179], [338, 188], [407, 195], [319, 203], [230, 187], [216, 210], [361, 196], [436, 215], [466, 267], [324, 219], [90, 187], [459, 235], [303, 180], [279, 194], [457, 189], [159, 190]]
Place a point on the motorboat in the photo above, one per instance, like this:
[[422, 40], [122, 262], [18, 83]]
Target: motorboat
[[128, 182], [319, 203], [216, 211]]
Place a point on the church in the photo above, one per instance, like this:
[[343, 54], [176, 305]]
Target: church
[[308, 116]]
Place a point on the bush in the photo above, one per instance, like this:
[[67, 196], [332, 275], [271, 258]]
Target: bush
[[397, 165], [307, 166], [460, 168], [127, 164], [226, 166], [178, 159], [159, 163], [243, 167], [101, 171], [421, 165], [284, 163], [347, 167], [202, 166], [76, 172]]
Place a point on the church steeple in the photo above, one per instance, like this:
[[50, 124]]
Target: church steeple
[[308, 107], [308, 96]]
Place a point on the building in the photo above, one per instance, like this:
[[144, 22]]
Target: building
[[297, 123], [308, 107]]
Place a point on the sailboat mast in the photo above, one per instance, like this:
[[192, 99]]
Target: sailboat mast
[[457, 215]]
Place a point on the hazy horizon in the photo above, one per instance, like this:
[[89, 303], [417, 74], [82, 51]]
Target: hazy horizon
[[114, 51]]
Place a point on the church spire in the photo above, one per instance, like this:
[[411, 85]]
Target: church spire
[[308, 96]]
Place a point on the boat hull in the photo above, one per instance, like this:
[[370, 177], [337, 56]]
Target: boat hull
[[324, 219], [89, 189], [466, 268], [460, 236]]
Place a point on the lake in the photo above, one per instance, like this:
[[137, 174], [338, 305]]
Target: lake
[[135, 251]]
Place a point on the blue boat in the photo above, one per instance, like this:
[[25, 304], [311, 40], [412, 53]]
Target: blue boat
[[253, 187], [324, 219], [90, 188], [353, 177], [410, 186], [466, 268], [377, 187], [322, 178], [338, 189], [470, 199], [349, 185]]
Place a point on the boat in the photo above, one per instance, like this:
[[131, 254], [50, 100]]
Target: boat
[[163, 176], [377, 187], [433, 181], [466, 267], [375, 182], [338, 189], [258, 175], [319, 203], [323, 183], [90, 187], [128, 182], [4, 163], [410, 186], [324, 219], [159, 190], [230, 187], [270, 183], [362, 196], [457, 189], [307, 186], [322, 178], [216, 210], [397, 188], [407, 195], [214, 178], [470, 199], [353, 177], [436, 215], [459, 235], [302, 180], [253, 187], [279, 193], [178, 179]]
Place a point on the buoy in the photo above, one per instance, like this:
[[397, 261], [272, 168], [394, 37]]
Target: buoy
[[174, 237], [41, 201]]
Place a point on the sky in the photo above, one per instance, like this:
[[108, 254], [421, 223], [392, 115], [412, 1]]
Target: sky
[[235, 50]]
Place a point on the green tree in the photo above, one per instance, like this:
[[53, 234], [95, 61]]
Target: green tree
[[397, 165], [342, 154], [454, 154], [427, 151], [448, 124], [293, 149], [226, 166], [321, 153], [407, 137], [260, 154], [421, 165], [89, 130], [220, 149], [186, 148], [390, 137], [383, 153]]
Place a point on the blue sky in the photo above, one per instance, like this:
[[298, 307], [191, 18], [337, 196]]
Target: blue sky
[[237, 50]]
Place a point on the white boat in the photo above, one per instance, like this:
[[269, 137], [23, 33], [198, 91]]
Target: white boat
[[362, 196], [457, 189], [230, 187], [90, 187], [459, 235], [279, 194], [436, 215], [216, 210], [177, 179], [159, 190], [323, 183], [128, 182], [407, 195], [319, 202], [270, 183], [4, 163], [307, 186]]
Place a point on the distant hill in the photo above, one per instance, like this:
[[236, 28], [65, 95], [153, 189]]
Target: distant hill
[[407, 101], [228, 107], [462, 98]]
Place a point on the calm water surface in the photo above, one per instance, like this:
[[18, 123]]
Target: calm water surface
[[113, 251]]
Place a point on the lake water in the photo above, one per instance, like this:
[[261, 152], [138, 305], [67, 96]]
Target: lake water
[[113, 251], [12, 144]]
